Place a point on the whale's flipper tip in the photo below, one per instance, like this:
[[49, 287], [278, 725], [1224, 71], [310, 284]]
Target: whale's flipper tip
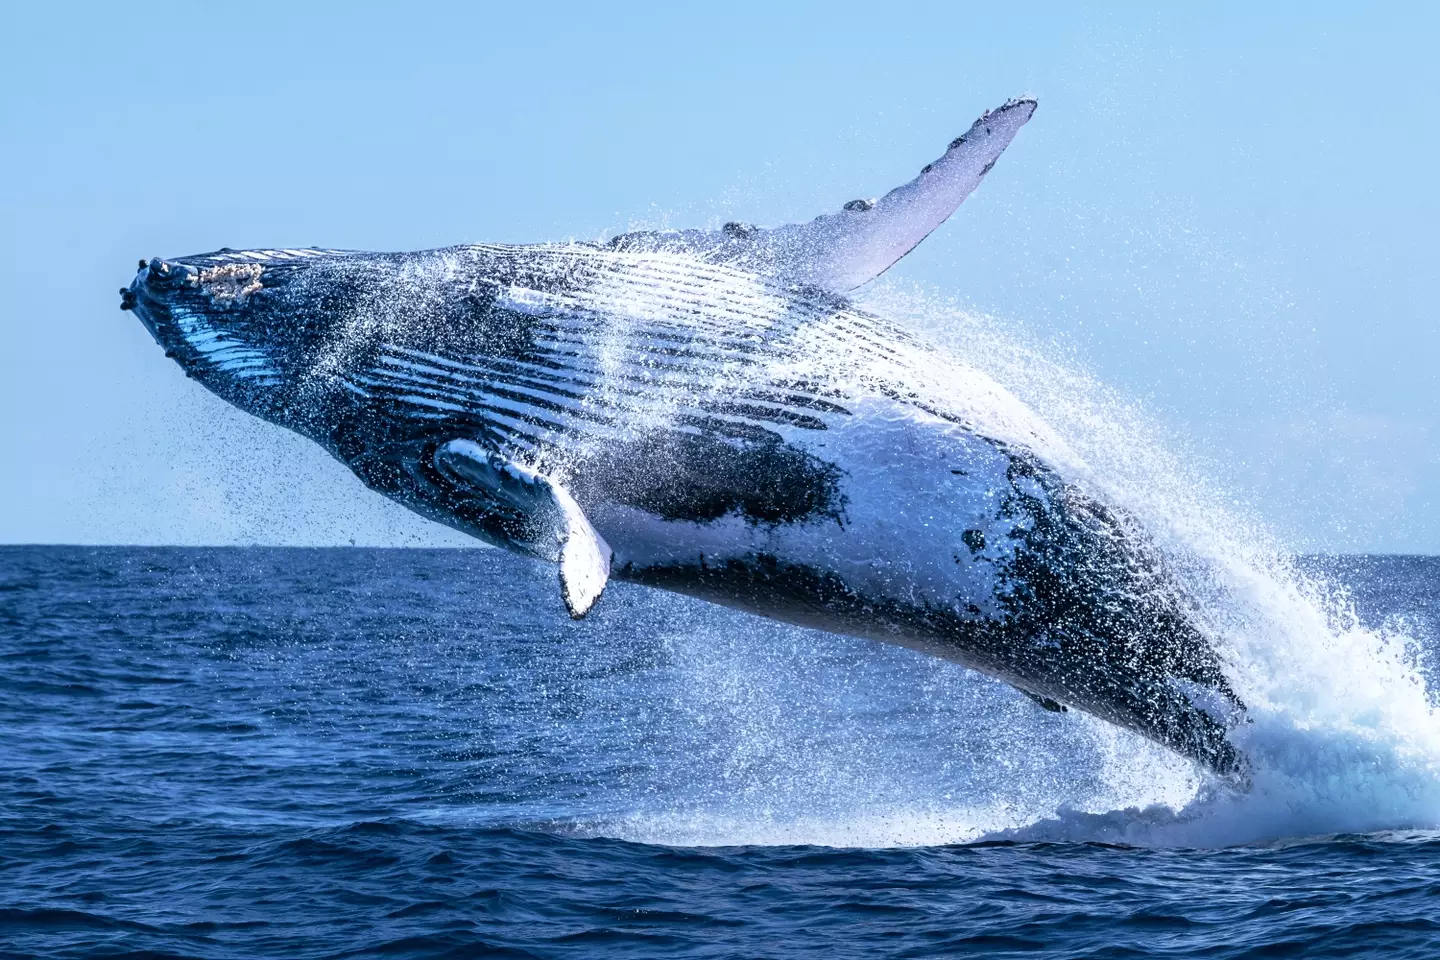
[[490, 478], [853, 246], [843, 250], [584, 564], [870, 239]]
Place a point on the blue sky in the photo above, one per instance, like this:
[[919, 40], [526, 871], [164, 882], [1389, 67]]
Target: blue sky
[[1229, 215]]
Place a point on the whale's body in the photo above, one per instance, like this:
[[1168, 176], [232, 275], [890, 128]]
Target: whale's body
[[706, 413]]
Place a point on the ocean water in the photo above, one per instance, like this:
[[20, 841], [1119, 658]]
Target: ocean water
[[257, 752]]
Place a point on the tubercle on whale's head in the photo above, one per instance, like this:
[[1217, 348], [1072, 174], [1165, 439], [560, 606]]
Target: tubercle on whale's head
[[229, 319]]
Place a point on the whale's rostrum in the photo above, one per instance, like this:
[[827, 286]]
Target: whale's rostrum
[[705, 412]]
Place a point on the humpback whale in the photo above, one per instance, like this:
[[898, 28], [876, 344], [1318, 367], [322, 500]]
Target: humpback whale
[[706, 412]]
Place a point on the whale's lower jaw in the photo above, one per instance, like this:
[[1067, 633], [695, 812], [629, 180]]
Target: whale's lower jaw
[[1072, 665]]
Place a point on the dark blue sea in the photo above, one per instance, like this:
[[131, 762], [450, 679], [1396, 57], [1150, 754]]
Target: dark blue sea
[[403, 753]]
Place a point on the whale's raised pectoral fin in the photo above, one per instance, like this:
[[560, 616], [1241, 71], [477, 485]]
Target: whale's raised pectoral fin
[[560, 529], [584, 559], [840, 251]]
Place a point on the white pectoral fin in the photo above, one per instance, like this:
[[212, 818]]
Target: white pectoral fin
[[841, 251], [557, 519], [584, 558]]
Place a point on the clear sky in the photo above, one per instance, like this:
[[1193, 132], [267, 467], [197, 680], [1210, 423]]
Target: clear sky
[[1229, 214]]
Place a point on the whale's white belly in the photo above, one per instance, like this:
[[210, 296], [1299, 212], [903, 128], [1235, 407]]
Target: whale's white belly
[[922, 522]]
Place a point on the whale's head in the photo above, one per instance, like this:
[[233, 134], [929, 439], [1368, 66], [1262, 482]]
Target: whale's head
[[248, 325]]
